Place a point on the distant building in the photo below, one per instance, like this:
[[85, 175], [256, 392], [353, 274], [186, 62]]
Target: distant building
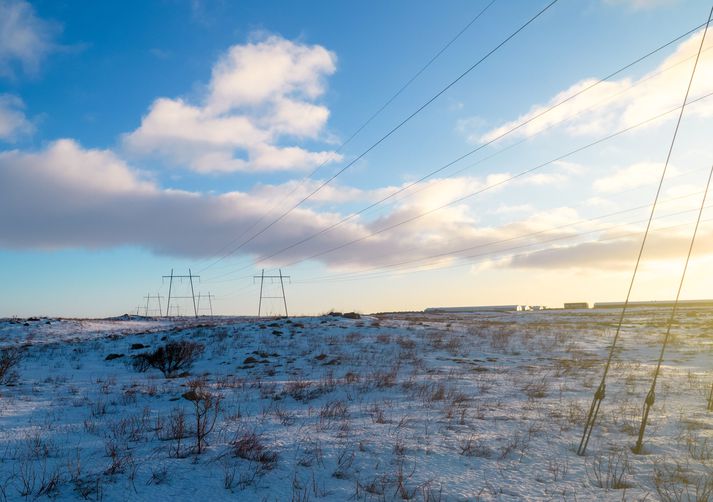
[[655, 304], [490, 308], [576, 305], [537, 307]]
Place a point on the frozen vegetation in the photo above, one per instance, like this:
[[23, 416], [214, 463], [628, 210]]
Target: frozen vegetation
[[386, 407]]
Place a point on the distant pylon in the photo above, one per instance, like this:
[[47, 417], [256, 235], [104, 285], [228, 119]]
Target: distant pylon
[[262, 278], [190, 277], [210, 302], [150, 297]]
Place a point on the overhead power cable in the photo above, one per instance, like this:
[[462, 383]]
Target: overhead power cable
[[480, 147], [501, 251], [354, 134], [394, 129], [488, 187], [601, 390], [497, 184], [651, 395], [455, 252]]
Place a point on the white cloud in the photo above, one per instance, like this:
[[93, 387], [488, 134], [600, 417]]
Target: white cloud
[[642, 4], [256, 73], [617, 104], [261, 95], [65, 196], [65, 167], [68, 196], [509, 209], [601, 203], [25, 39], [633, 176], [614, 254], [13, 122]]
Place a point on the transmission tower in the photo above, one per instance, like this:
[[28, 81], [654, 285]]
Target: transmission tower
[[190, 278], [148, 298], [210, 302], [262, 278]]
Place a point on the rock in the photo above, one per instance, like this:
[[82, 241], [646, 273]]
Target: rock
[[112, 356]]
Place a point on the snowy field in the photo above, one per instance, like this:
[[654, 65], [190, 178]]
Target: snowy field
[[387, 407]]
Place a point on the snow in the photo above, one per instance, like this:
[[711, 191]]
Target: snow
[[428, 406]]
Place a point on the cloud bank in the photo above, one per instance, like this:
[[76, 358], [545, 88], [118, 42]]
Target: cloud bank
[[262, 95], [617, 104]]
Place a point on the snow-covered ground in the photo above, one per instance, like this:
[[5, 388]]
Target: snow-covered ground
[[388, 407]]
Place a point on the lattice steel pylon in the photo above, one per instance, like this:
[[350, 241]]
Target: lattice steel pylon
[[210, 302], [148, 299], [190, 277], [262, 278]]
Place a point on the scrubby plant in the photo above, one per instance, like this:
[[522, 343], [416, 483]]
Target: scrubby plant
[[610, 471], [169, 358], [674, 482], [206, 406], [250, 446], [9, 359]]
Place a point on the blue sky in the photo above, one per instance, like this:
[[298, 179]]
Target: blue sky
[[137, 137]]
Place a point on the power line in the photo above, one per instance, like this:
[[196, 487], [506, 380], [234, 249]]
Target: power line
[[489, 254], [497, 184], [557, 123], [518, 237], [480, 147], [393, 130], [499, 241], [356, 132], [651, 396], [492, 186], [601, 390]]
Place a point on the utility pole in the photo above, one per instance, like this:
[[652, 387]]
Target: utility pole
[[170, 284], [193, 295], [262, 278], [210, 302], [190, 277], [284, 298], [149, 297]]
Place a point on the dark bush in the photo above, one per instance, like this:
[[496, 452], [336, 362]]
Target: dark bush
[[9, 358], [172, 357], [140, 362], [248, 445]]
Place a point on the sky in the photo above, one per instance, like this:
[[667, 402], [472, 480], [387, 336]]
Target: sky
[[384, 156]]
